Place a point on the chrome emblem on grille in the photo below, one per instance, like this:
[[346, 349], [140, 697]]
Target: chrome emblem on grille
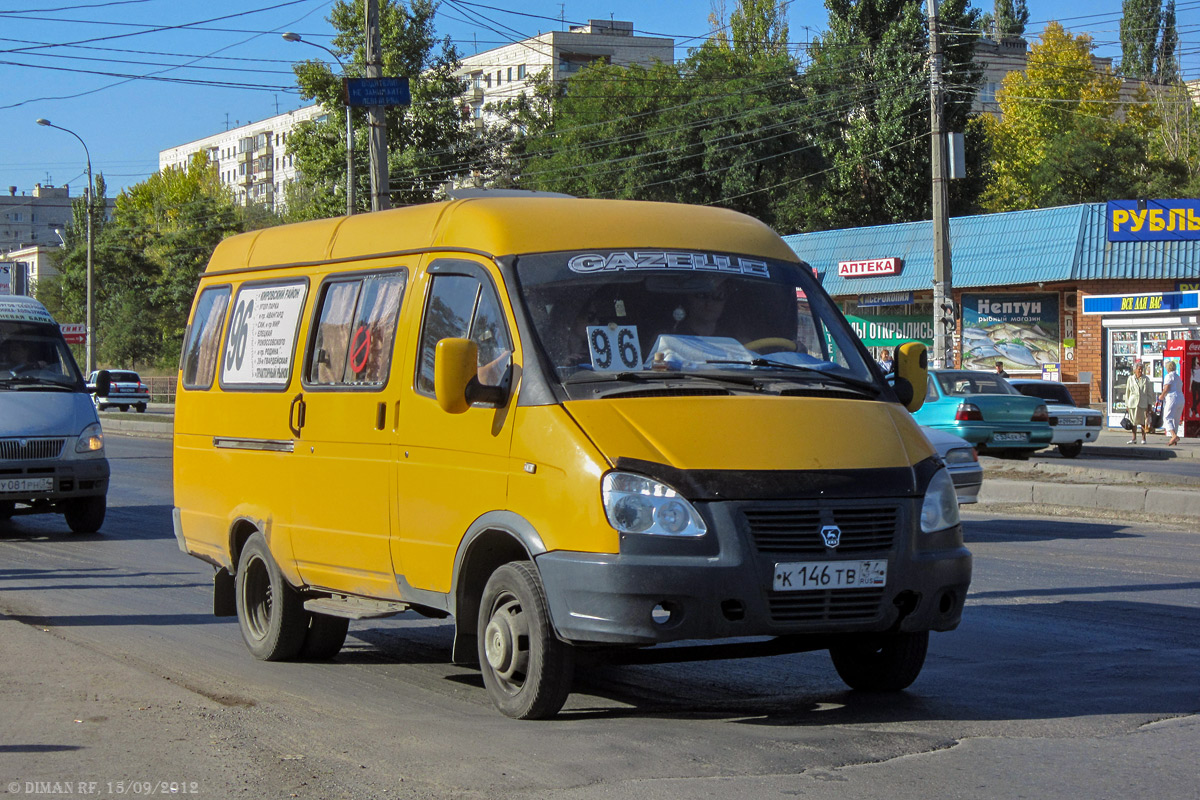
[[832, 535], [23, 443]]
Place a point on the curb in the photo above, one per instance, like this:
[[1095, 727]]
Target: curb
[[141, 426], [1094, 497]]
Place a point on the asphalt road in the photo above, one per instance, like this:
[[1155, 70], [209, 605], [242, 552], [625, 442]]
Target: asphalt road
[[1075, 673]]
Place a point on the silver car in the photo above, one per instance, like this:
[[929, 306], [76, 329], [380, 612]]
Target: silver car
[[962, 461], [126, 391], [1070, 424]]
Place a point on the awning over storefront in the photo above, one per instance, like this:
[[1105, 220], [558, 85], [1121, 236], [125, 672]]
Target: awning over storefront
[[1017, 248]]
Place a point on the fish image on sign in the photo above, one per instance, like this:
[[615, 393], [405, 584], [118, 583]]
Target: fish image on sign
[[1019, 330]]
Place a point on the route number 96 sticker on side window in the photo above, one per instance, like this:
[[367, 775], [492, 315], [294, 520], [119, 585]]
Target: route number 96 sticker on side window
[[614, 347], [262, 335]]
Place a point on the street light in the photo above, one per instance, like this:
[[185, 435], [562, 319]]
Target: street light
[[295, 37], [90, 346]]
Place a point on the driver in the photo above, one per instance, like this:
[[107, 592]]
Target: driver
[[702, 312], [19, 354]]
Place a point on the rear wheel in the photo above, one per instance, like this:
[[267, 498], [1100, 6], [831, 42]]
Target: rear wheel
[[526, 669], [141, 408], [85, 514], [124, 408], [881, 662], [1070, 450], [270, 612], [324, 638]]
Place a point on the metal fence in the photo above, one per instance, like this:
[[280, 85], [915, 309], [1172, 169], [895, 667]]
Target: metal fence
[[162, 389]]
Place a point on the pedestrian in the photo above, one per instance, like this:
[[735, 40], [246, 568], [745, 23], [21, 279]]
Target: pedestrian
[[1172, 400], [1139, 394], [1195, 386], [885, 362], [1000, 370]]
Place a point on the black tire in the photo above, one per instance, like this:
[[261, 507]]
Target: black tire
[[85, 514], [881, 662], [141, 408], [124, 408], [270, 612], [526, 669], [324, 638], [7, 507], [1070, 450]]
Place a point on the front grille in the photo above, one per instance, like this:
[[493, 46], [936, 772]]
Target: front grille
[[840, 605], [30, 449], [798, 530]]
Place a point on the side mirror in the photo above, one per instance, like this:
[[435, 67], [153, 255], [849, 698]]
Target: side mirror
[[103, 383], [912, 368], [456, 380]]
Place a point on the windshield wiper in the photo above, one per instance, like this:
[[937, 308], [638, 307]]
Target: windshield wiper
[[866, 386], [29, 380], [657, 376]]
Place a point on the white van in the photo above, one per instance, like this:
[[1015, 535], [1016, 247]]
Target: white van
[[51, 445]]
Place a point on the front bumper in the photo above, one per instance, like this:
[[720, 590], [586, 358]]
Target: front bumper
[[68, 479], [652, 598]]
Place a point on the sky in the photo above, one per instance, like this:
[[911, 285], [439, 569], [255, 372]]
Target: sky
[[133, 77]]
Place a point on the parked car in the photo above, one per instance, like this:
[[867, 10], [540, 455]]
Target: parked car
[[1071, 424], [961, 460], [126, 391], [987, 411]]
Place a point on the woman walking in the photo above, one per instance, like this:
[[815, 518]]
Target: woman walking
[[1139, 394], [1172, 400]]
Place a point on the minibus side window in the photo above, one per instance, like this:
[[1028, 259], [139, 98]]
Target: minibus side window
[[460, 307], [355, 330], [204, 339]]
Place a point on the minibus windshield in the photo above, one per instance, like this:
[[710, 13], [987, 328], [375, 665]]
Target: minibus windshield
[[605, 315], [33, 355]]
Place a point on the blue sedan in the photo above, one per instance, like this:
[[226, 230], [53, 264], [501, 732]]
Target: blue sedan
[[987, 411]]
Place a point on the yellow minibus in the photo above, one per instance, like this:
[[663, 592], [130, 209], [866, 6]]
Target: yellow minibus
[[568, 424]]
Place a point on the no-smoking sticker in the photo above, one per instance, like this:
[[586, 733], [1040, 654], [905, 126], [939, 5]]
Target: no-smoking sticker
[[360, 349]]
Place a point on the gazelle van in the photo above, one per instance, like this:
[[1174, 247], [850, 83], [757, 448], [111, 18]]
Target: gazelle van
[[51, 445], [568, 424]]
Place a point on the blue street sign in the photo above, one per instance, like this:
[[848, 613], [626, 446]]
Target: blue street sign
[[377, 92]]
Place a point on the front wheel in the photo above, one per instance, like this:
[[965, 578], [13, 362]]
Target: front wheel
[[85, 514], [1071, 449], [526, 669], [270, 612], [881, 662]]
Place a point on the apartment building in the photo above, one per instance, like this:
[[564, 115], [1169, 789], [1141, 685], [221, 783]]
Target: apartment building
[[505, 73], [252, 159], [28, 220]]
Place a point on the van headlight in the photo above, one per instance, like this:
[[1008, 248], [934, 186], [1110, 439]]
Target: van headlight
[[91, 440], [636, 504], [940, 509]]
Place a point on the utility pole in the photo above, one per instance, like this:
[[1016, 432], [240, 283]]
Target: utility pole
[[943, 295], [376, 125]]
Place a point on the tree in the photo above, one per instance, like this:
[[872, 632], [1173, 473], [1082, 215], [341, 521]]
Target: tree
[[1166, 63], [1140, 20], [869, 84], [727, 126], [1011, 18], [1062, 139], [428, 141]]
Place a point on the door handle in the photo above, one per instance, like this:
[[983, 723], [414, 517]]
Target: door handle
[[380, 416], [296, 412]]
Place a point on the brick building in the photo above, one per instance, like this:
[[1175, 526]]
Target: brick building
[[1052, 293]]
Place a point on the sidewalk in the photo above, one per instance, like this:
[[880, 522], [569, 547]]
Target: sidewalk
[[1086, 484]]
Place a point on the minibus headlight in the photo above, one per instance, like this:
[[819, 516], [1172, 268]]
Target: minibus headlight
[[636, 504], [91, 440], [940, 509]]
